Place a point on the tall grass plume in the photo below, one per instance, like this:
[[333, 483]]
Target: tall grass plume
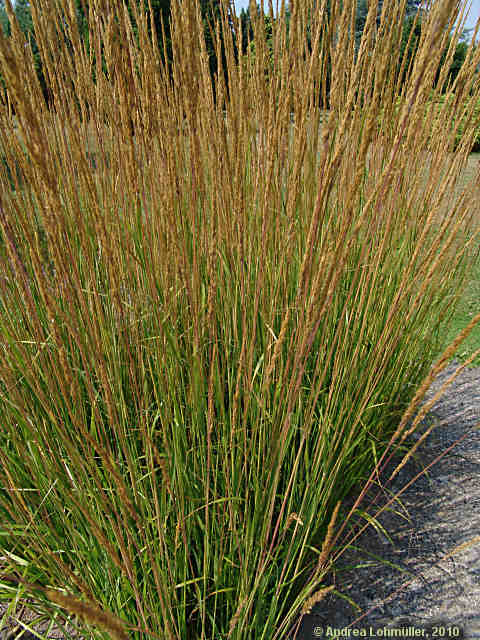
[[217, 299]]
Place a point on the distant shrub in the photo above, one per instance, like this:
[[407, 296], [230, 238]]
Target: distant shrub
[[460, 129], [433, 108]]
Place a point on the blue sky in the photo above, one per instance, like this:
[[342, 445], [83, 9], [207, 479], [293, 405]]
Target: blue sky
[[474, 13], [241, 4]]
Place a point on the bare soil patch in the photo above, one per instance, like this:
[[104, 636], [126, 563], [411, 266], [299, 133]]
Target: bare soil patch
[[433, 543]]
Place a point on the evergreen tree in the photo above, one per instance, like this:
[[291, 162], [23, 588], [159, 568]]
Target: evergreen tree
[[4, 24], [23, 14], [412, 7]]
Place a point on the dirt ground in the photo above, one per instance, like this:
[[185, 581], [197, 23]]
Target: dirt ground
[[432, 581]]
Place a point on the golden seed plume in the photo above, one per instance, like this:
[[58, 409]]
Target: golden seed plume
[[316, 597]]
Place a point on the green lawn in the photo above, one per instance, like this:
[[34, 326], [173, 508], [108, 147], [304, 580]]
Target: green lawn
[[469, 304], [468, 307]]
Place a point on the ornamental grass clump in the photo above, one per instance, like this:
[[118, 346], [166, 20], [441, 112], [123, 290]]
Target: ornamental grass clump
[[216, 331]]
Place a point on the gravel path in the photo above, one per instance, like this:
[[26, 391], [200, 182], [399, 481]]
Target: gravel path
[[436, 541], [440, 513]]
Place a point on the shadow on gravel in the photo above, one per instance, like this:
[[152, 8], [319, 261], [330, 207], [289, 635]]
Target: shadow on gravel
[[435, 539]]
